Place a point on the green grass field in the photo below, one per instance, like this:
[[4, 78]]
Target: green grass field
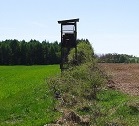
[[24, 96], [25, 100]]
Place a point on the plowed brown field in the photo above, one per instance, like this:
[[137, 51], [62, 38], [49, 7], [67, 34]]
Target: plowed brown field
[[125, 76]]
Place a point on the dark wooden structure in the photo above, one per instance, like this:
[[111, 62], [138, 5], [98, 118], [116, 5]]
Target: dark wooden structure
[[68, 40]]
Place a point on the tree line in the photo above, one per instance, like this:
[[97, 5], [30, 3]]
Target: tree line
[[117, 58], [14, 52]]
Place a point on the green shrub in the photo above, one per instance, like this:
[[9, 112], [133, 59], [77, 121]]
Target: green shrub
[[81, 83], [85, 53], [77, 87]]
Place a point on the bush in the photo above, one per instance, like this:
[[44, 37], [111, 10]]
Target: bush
[[78, 84], [77, 87], [85, 53]]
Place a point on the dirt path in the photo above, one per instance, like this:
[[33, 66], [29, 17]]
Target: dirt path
[[125, 76]]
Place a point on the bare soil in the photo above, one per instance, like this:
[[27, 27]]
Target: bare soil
[[124, 76]]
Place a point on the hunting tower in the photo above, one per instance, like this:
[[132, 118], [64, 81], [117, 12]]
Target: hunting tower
[[68, 40]]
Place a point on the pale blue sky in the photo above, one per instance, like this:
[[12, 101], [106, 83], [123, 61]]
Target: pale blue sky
[[112, 26]]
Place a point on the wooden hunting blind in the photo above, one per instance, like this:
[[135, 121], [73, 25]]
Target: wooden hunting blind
[[68, 40]]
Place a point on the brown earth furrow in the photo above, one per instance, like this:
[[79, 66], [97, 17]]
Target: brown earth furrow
[[125, 76]]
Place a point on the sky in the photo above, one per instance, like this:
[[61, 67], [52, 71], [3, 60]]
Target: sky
[[112, 26]]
